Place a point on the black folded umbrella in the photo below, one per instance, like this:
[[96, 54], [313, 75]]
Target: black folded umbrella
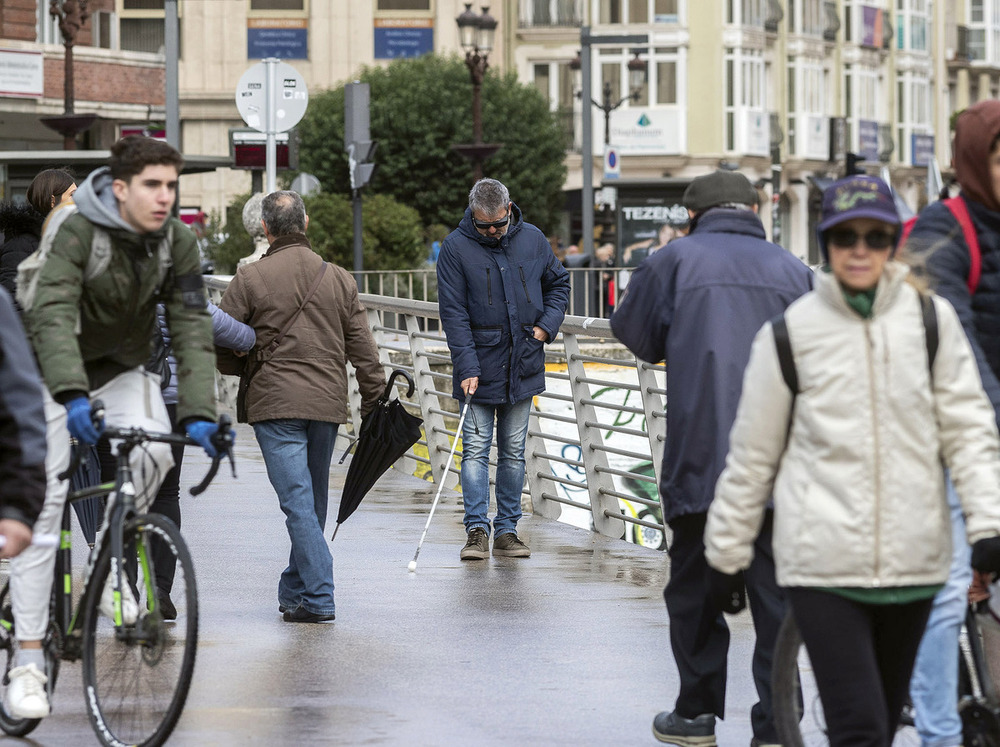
[[88, 510], [384, 436]]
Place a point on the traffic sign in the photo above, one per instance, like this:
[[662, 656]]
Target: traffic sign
[[289, 98], [612, 163]]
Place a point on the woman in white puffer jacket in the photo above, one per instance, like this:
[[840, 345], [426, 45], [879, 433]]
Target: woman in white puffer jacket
[[855, 462]]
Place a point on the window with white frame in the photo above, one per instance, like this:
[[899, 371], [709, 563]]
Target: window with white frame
[[550, 13], [746, 118], [862, 99], [141, 25], [746, 12], [637, 11], [913, 25], [806, 17], [913, 111], [984, 30], [554, 80], [808, 131], [47, 26], [865, 20]]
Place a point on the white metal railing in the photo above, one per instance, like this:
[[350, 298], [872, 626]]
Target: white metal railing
[[595, 437]]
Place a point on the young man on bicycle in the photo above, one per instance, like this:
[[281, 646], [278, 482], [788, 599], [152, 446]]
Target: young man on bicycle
[[90, 324]]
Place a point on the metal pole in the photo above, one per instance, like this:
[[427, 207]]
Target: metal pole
[[477, 116], [587, 145], [359, 262], [271, 85], [171, 38]]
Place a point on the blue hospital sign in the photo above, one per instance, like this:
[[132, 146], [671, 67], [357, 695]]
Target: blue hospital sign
[[403, 37]]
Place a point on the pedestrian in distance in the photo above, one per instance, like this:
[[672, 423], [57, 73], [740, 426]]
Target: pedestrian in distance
[[22, 434], [309, 323], [21, 222], [89, 296], [502, 295], [937, 245], [697, 304], [850, 430]]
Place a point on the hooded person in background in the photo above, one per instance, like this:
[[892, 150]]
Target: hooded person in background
[[937, 244]]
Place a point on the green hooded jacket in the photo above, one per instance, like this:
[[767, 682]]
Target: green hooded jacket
[[86, 333]]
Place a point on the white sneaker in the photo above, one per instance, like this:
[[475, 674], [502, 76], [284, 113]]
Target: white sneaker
[[26, 696], [130, 609]]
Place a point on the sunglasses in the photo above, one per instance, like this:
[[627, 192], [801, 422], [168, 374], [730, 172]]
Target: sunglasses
[[846, 238], [486, 225]]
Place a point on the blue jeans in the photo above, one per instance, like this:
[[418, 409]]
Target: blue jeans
[[297, 455], [934, 685], [477, 437]]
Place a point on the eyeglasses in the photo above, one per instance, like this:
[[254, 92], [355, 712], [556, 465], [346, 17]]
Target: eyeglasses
[[846, 238], [486, 225]]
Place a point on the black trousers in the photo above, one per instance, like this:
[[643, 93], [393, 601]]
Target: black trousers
[[701, 653], [862, 657]]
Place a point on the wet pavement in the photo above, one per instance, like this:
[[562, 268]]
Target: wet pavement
[[568, 646]]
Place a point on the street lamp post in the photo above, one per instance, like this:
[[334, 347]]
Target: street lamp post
[[476, 33], [72, 15], [636, 78]]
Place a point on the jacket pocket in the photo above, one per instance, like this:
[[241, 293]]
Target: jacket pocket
[[532, 353], [489, 286], [487, 337]]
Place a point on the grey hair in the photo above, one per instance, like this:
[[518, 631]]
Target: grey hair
[[488, 197], [283, 213]]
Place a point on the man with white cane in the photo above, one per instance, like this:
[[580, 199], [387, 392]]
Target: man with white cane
[[502, 295]]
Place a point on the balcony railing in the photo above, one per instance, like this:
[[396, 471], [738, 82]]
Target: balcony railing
[[534, 13]]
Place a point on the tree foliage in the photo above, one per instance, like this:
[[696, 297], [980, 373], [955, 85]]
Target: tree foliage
[[419, 109], [392, 237]]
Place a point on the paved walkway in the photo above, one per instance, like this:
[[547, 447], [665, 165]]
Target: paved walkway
[[568, 647]]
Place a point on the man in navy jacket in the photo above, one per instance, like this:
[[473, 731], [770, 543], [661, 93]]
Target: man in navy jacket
[[502, 295], [697, 304]]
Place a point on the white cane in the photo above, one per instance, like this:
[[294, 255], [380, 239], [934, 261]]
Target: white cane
[[412, 567]]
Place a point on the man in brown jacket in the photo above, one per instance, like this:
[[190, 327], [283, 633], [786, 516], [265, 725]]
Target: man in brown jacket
[[298, 396]]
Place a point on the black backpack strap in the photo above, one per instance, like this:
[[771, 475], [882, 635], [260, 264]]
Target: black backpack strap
[[785, 359], [929, 315]]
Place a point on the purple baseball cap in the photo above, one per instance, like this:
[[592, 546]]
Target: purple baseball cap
[[857, 196]]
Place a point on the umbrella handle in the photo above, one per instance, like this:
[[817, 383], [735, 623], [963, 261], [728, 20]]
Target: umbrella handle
[[392, 378]]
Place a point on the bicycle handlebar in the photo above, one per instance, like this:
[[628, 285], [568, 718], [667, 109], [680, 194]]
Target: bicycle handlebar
[[222, 440]]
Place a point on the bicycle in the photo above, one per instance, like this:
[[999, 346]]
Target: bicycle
[[798, 712], [136, 675]]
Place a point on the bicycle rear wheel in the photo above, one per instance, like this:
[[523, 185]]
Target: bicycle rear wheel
[[136, 679], [798, 715]]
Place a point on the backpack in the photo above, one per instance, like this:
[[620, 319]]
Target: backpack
[[29, 270], [960, 210], [782, 342]]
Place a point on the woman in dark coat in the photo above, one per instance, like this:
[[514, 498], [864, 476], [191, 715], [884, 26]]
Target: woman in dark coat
[[21, 223]]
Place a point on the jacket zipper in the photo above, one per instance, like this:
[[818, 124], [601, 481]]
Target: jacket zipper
[[877, 472], [489, 287], [524, 284]]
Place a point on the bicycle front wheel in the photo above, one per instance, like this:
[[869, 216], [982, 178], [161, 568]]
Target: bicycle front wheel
[[136, 677]]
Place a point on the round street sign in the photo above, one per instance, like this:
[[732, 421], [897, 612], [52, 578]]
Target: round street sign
[[289, 98]]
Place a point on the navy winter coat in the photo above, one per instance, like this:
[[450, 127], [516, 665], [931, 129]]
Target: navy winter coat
[[490, 298], [697, 304], [937, 231]]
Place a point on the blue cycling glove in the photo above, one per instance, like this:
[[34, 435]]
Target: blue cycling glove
[[202, 432], [79, 421]]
